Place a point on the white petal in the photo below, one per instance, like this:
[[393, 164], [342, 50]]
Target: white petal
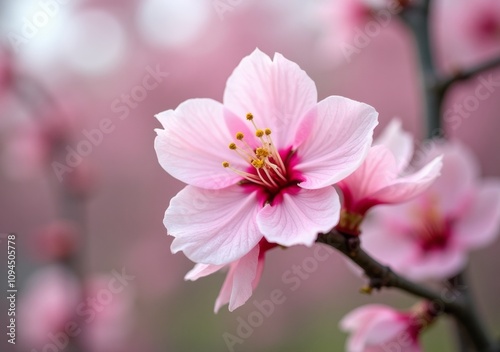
[[409, 186], [201, 270], [298, 217], [399, 142], [239, 283], [278, 93], [194, 144], [333, 140], [213, 226]]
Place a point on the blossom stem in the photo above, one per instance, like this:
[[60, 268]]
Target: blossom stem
[[465, 74], [416, 17], [382, 276]]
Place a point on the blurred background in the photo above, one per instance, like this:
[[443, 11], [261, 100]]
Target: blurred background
[[80, 185]]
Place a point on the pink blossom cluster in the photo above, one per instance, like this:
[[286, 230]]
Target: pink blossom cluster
[[271, 166]]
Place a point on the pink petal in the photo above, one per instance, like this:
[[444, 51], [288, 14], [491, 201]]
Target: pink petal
[[360, 316], [385, 330], [213, 226], [298, 218], [459, 172], [410, 186], [361, 321], [480, 225], [240, 281], [201, 270], [385, 241], [436, 264], [278, 93], [376, 172], [335, 138], [194, 144], [399, 142]]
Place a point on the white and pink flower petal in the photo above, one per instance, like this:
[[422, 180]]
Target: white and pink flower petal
[[480, 224], [201, 270], [194, 143], [436, 264], [240, 281], [333, 140], [459, 173], [213, 226], [277, 92], [399, 142], [296, 217], [377, 171], [407, 187]]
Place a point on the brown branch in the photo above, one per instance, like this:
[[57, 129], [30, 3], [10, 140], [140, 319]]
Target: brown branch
[[381, 276]]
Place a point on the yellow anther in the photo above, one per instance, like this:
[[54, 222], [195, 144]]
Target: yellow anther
[[367, 290], [259, 133], [232, 146], [257, 163], [261, 152], [240, 136], [249, 116], [267, 131], [225, 164]]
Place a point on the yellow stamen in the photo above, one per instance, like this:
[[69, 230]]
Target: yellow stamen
[[262, 152], [265, 159], [257, 163]]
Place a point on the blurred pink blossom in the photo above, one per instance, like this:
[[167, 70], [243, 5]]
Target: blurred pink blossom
[[349, 25], [384, 177], [47, 305], [109, 330], [57, 240], [275, 186], [378, 328], [468, 31], [431, 235], [243, 276]]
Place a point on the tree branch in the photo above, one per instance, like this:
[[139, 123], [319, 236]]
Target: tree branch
[[381, 276], [445, 83]]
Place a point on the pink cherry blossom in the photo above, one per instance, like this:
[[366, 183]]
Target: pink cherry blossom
[[431, 235], [468, 31], [274, 182], [384, 177], [110, 325], [48, 303], [378, 328], [242, 278]]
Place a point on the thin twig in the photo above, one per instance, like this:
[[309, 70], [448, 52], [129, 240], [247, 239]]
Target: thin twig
[[445, 83]]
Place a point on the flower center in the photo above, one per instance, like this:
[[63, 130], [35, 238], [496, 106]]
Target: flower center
[[266, 167], [432, 229]]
